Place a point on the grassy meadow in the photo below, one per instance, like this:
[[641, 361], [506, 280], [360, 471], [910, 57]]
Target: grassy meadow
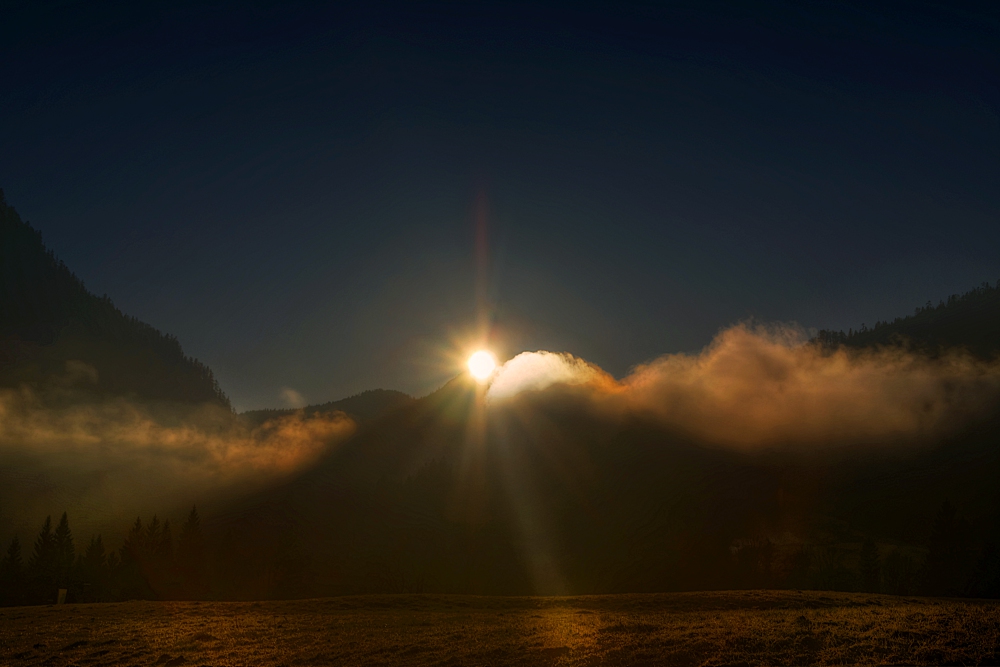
[[717, 628]]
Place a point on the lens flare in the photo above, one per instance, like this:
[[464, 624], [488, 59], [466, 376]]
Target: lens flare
[[482, 364]]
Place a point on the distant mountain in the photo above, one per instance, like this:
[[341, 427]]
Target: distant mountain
[[544, 494], [54, 334], [970, 321], [361, 407]]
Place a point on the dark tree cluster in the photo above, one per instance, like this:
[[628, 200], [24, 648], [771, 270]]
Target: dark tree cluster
[[155, 562], [149, 565], [48, 318], [953, 564], [969, 321], [268, 562]]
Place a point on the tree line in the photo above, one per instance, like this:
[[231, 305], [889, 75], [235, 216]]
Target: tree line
[[149, 565], [970, 321], [951, 564]]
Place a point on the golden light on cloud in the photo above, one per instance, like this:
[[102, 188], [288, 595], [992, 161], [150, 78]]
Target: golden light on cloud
[[482, 364]]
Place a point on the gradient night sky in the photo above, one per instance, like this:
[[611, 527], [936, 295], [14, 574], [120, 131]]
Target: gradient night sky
[[292, 191]]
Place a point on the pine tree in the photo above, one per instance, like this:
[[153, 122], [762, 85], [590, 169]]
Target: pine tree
[[191, 556], [161, 559], [12, 561], [134, 546], [132, 573], [870, 567], [65, 554], [114, 586], [165, 549], [42, 564], [153, 536], [94, 570]]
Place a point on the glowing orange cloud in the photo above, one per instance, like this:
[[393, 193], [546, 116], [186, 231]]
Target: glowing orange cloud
[[757, 386]]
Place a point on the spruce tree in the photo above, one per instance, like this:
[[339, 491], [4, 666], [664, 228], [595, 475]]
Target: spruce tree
[[132, 573], [134, 546], [94, 570], [162, 560], [153, 535], [12, 561], [191, 556], [165, 550], [65, 554], [113, 587], [42, 565]]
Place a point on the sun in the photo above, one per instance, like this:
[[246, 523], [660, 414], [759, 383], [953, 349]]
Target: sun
[[482, 364]]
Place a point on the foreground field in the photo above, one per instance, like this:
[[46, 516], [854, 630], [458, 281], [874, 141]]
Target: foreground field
[[729, 628]]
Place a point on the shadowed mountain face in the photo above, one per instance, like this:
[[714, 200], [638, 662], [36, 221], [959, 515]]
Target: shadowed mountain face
[[543, 494], [545, 491], [60, 340]]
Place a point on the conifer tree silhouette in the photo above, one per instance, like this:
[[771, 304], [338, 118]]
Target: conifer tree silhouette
[[153, 535], [134, 542], [134, 560], [12, 562], [114, 585], [160, 558], [191, 557], [94, 571], [165, 548], [42, 565], [65, 554]]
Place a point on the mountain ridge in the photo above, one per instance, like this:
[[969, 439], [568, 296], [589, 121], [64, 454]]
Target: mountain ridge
[[54, 332], [363, 406], [969, 321]]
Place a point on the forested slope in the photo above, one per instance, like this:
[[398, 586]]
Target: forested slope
[[54, 334], [970, 321]]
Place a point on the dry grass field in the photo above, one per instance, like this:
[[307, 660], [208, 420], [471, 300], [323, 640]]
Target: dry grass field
[[728, 628]]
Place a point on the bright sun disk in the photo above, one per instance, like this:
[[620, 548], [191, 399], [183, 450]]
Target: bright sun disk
[[482, 364]]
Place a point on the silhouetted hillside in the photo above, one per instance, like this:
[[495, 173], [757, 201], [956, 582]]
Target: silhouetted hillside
[[547, 492], [970, 321], [54, 334], [543, 493], [361, 407]]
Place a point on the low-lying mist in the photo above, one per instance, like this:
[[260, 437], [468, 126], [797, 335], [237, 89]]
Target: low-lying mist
[[756, 386], [107, 460]]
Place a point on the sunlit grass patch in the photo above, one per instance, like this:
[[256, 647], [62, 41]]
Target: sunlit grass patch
[[719, 628]]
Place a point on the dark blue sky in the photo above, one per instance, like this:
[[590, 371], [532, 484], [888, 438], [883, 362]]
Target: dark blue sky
[[292, 191]]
